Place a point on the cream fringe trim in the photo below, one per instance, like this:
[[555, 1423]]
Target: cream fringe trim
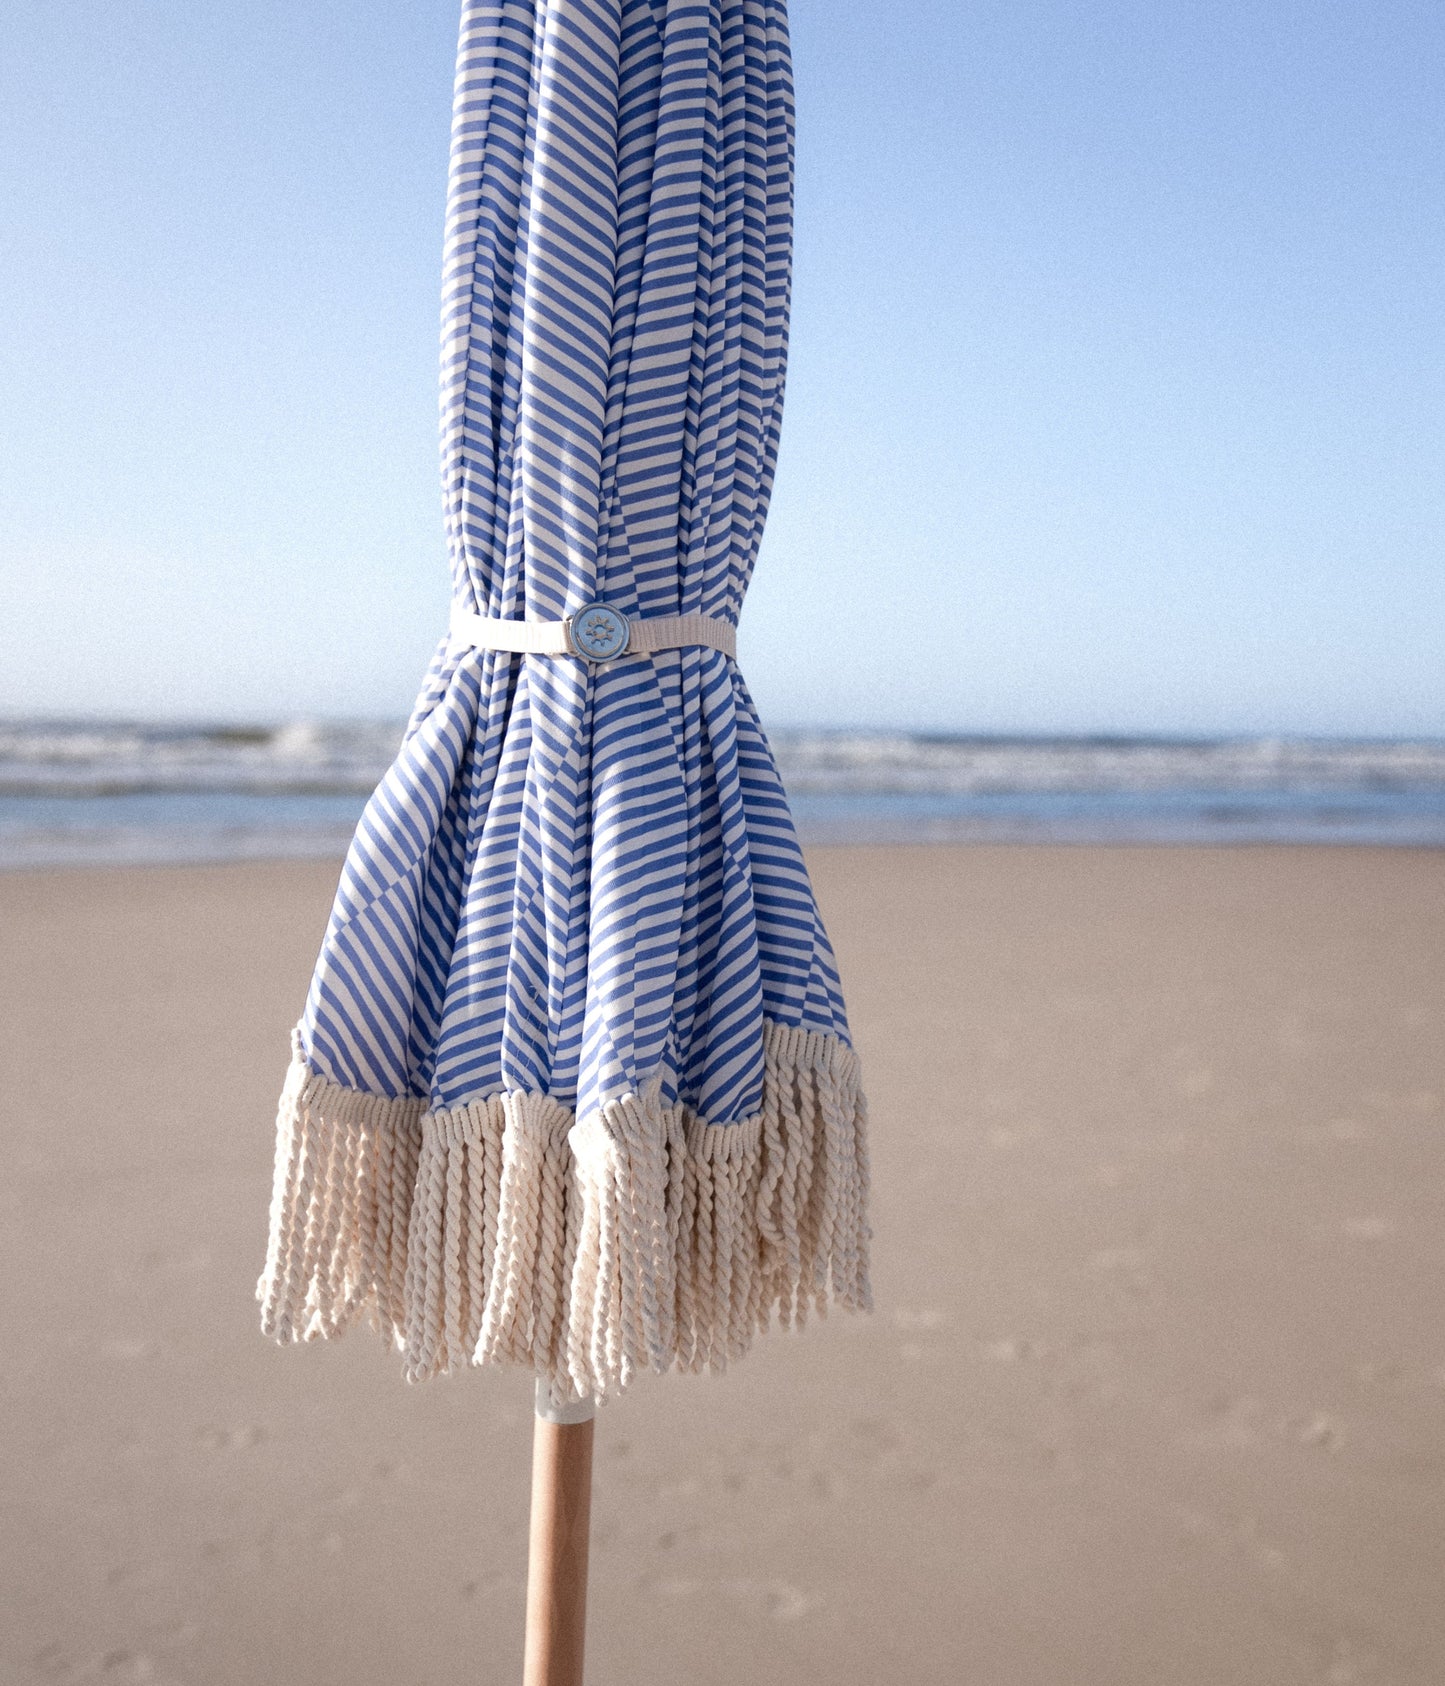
[[504, 1232]]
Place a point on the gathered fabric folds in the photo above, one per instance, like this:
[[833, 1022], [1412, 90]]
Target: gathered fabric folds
[[574, 1087]]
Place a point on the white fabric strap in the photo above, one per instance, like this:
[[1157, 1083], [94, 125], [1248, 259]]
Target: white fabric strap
[[553, 638], [673, 632]]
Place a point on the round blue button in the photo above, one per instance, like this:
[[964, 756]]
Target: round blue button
[[598, 632]]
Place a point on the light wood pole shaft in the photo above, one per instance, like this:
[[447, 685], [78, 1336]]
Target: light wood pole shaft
[[557, 1553]]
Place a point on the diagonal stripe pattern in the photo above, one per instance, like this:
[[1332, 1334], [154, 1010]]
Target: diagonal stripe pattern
[[580, 880]]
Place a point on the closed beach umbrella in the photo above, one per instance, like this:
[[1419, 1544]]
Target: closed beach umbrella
[[573, 1088]]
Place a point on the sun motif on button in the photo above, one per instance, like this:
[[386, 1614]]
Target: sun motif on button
[[598, 632]]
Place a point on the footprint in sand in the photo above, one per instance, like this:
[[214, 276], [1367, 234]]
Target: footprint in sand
[[130, 1350], [1318, 1429], [1240, 1421], [1234, 1421], [230, 1439], [875, 1439], [113, 1668], [925, 1317], [501, 1582], [779, 1601], [141, 1577], [1263, 1553], [671, 1586], [1013, 1349], [1369, 1228], [922, 1321], [822, 1486], [1381, 1372], [253, 1554]]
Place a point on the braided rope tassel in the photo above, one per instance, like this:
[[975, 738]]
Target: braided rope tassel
[[524, 1293], [622, 1311], [504, 1231], [327, 1263]]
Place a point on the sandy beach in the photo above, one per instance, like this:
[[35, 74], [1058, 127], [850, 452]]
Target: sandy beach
[[1154, 1394]]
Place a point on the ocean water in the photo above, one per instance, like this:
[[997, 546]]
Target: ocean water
[[88, 792]]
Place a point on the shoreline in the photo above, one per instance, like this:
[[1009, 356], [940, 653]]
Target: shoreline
[[812, 844]]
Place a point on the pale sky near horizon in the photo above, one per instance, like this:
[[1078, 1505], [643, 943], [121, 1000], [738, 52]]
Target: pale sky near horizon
[[1116, 398]]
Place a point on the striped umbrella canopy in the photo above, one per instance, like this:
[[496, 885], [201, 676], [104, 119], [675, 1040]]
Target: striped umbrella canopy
[[574, 1088]]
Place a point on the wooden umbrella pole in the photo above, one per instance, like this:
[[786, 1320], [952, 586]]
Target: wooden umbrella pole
[[557, 1553]]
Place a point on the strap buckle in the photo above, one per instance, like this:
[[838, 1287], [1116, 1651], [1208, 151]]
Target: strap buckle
[[598, 632]]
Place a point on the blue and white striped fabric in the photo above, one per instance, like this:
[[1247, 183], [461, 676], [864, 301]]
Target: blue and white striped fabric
[[574, 1088], [575, 879]]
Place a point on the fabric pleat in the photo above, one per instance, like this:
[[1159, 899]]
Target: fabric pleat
[[580, 884]]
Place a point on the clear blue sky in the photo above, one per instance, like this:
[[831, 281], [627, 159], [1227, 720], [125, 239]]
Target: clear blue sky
[[1117, 394]]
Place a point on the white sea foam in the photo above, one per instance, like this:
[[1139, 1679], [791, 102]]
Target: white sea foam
[[90, 758], [88, 791], [887, 763], [95, 758]]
